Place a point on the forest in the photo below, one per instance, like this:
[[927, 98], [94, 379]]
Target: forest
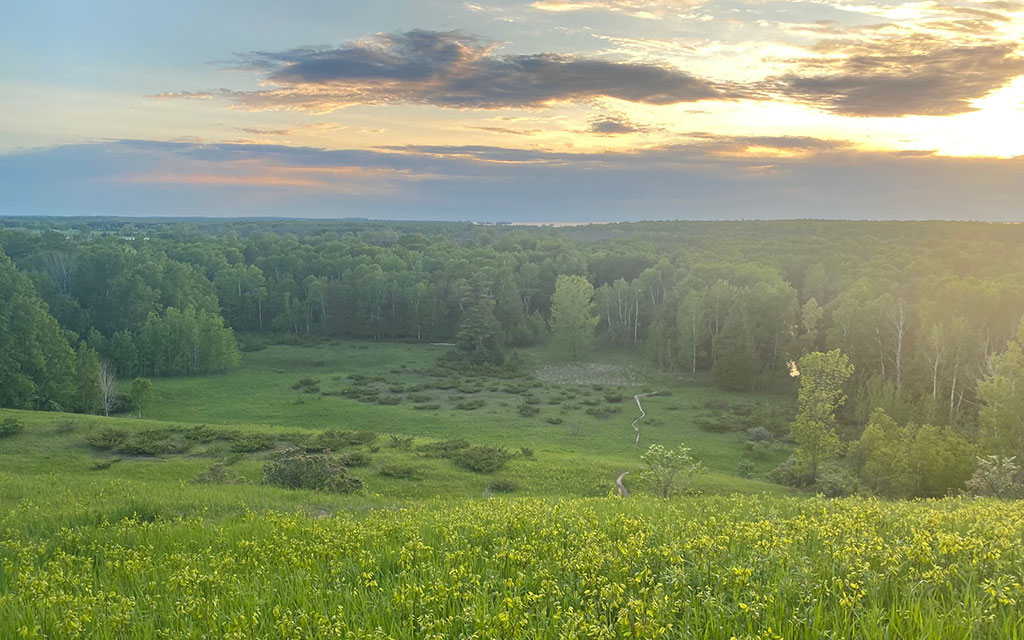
[[922, 320]]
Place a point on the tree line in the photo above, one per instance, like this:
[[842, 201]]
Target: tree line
[[921, 309]]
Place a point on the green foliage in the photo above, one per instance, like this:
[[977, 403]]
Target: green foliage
[[482, 459], [10, 427], [527, 410], [822, 376], [1002, 412], [400, 442], [37, 366], [670, 471], [572, 314], [219, 473], [401, 471], [996, 477], [296, 469], [911, 461], [142, 391], [336, 439], [443, 449], [502, 485], [107, 438]]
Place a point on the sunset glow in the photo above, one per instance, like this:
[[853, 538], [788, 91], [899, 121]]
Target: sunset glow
[[411, 93]]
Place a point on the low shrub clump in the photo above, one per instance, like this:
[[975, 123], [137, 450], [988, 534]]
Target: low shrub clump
[[10, 427], [219, 473], [482, 459], [296, 469]]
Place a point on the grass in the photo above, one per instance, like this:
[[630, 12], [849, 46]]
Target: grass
[[709, 567], [108, 534]]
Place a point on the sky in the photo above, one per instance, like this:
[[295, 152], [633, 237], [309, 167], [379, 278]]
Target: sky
[[514, 110]]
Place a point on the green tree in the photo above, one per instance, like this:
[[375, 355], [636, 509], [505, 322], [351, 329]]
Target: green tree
[[668, 470], [142, 389], [37, 365], [572, 313], [1002, 394], [822, 376]]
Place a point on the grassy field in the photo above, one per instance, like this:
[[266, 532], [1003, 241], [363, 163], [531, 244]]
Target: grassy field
[[709, 567], [107, 534]]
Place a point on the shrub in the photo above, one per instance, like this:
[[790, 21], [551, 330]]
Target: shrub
[[419, 397], [670, 471], [502, 485], [154, 442], [996, 477], [470, 405], [612, 397], [554, 420], [482, 459], [526, 452], [219, 473], [65, 426], [334, 440], [108, 438], [528, 410], [444, 449], [306, 383], [249, 442], [427, 407], [400, 442], [10, 427], [400, 471], [603, 411], [759, 434], [746, 470], [355, 459], [835, 481], [296, 469], [389, 400]]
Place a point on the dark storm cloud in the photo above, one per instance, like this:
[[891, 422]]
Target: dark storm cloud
[[452, 69]]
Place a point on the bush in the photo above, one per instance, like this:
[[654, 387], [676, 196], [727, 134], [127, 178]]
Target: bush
[[759, 434], [389, 400], [296, 469], [554, 420], [249, 442], [996, 477], [427, 407], [65, 426], [526, 452], [835, 481], [502, 485], [400, 471], [107, 439], [305, 383], [470, 405], [419, 397], [482, 459], [444, 449], [154, 442], [335, 440], [400, 442], [746, 470], [603, 411], [613, 397], [219, 473], [355, 459], [528, 410], [10, 427]]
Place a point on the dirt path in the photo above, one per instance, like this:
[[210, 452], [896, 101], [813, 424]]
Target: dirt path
[[623, 491], [636, 423]]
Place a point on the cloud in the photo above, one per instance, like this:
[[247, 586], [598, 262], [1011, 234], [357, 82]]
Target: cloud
[[451, 69], [648, 9], [917, 77], [613, 125], [703, 176]]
